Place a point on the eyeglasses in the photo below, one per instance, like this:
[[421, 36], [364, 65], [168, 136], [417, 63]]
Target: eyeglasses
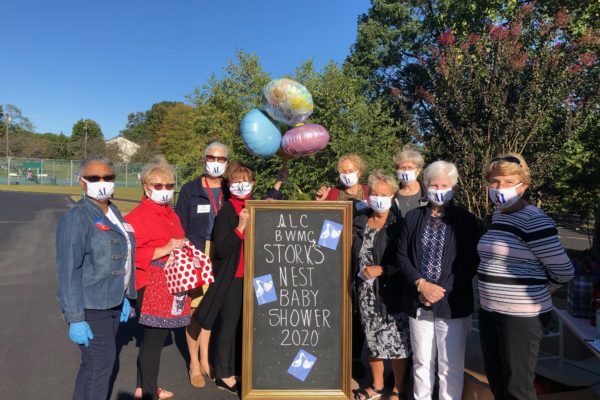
[[507, 158], [211, 158], [160, 186], [98, 178]]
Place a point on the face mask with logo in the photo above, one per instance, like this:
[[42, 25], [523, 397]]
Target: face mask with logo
[[407, 175], [161, 197], [100, 190], [240, 189], [380, 204], [439, 197], [215, 169], [504, 198], [350, 179]]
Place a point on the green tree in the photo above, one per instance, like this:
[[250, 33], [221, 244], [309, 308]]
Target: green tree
[[523, 85], [86, 139], [177, 133]]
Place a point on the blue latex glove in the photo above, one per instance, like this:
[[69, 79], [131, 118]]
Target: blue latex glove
[[80, 333], [125, 310]]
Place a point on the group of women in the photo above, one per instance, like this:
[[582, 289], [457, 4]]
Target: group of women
[[414, 256]]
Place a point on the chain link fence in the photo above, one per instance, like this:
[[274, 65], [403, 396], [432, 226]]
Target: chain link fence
[[31, 171]]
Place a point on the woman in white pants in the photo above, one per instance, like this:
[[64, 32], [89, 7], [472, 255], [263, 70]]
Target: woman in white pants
[[437, 256]]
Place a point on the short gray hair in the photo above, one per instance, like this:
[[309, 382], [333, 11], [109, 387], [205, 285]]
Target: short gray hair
[[94, 159], [443, 169], [216, 145], [379, 176], [408, 154], [159, 164]]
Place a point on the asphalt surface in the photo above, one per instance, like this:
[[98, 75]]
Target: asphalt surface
[[37, 359]]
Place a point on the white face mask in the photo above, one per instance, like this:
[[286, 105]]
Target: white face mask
[[407, 175], [240, 189], [161, 197], [215, 169], [350, 179], [439, 196], [380, 204], [100, 190], [504, 198]]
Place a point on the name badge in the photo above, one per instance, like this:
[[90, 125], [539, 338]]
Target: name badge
[[203, 208], [128, 227], [361, 205]]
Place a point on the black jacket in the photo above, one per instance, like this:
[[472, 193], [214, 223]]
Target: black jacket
[[387, 287], [459, 263], [194, 224]]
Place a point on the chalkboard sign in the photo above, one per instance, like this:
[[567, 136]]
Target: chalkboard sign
[[297, 314]]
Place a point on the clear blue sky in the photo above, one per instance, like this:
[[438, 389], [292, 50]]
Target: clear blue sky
[[103, 59]]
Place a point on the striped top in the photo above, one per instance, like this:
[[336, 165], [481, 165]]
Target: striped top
[[522, 262]]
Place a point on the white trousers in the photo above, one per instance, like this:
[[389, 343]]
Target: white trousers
[[442, 339]]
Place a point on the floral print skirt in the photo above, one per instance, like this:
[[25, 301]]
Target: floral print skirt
[[388, 337]]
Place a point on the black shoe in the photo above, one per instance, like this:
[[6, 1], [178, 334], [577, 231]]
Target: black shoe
[[222, 385]]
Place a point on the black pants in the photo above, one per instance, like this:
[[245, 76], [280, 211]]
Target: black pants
[[148, 361], [226, 340], [98, 360], [510, 348]]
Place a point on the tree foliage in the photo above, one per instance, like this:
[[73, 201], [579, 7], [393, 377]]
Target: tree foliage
[[86, 139]]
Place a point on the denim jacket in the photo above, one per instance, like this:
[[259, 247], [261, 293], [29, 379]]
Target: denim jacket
[[91, 253]]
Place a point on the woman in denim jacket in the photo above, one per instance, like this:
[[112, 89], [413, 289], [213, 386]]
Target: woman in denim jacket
[[93, 261]]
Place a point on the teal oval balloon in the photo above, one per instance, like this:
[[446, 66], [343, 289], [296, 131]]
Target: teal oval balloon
[[260, 134]]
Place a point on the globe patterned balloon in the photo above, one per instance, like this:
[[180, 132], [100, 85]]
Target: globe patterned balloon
[[260, 134], [304, 140], [287, 101]]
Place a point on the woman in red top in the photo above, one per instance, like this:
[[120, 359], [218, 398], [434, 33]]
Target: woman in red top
[[157, 232]]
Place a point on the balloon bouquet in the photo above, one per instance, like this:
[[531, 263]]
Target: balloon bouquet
[[288, 102]]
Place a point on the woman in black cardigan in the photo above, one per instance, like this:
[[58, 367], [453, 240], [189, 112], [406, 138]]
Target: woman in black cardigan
[[224, 296], [437, 256], [377, 286]]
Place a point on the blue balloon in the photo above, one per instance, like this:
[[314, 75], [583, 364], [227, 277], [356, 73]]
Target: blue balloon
[[260, 134]]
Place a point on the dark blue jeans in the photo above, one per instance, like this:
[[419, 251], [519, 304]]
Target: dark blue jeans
[[98, 360]]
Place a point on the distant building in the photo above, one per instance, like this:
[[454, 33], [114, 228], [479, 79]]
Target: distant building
[[125, 148]]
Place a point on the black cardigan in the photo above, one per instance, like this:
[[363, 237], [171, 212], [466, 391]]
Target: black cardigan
[[388, 286], [225, 257], [459, 263]]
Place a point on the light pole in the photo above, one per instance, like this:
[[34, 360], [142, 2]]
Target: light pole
[[85, 142], [7, 125]]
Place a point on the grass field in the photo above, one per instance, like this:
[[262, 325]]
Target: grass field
[[132, 194]]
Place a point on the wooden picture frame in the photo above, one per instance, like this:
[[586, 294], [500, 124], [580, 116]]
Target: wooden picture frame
[[342, 211]]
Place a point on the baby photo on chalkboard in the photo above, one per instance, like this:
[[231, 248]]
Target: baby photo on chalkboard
[[264, 289], [330, 234], [302, 364]]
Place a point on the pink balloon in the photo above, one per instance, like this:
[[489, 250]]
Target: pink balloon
[[305, 140]]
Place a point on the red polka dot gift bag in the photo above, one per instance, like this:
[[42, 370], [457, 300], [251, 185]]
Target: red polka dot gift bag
[[188, 268]]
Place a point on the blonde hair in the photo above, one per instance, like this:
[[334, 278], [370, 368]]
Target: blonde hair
[[409, 154], [440, 169], [354, 159], [379, 176], [504, 167], [237, 169], [157, 166]]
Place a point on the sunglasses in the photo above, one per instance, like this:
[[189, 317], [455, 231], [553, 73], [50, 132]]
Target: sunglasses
[[507, 158], [210, 158], [98, 178], [160, 186]]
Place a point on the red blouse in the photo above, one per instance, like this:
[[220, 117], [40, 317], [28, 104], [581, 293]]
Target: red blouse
[[154, 226], [239, 206]]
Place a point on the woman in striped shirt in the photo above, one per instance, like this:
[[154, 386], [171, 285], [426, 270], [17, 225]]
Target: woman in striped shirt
[[522, 263]]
